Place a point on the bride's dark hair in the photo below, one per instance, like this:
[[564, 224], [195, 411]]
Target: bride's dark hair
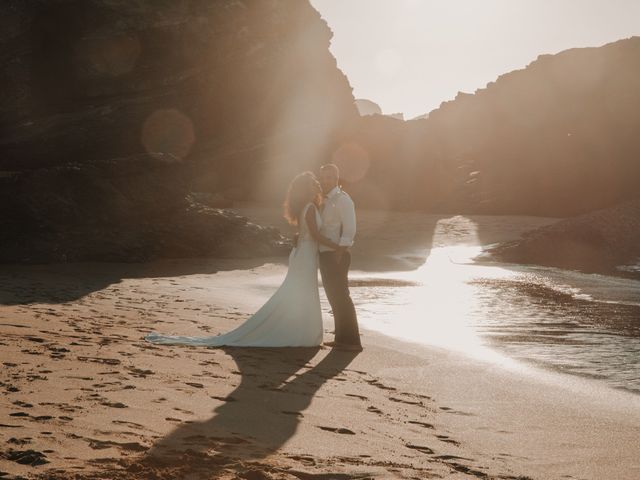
[[298, 194]]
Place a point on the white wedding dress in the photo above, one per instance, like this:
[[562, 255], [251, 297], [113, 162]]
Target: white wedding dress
[[290, 318]]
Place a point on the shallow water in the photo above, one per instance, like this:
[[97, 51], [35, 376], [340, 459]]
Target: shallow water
[[414, 277], [581, 324]]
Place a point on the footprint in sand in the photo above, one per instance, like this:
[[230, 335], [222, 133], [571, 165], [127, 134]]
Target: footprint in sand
[[225, 399], [114, 404], [452, 457], [211, 375], [304, 459], [31, 352], [129, 424], [108, 361], [43, 417], [456, 412], [208, 362], [343, 431], [449, 461], [35, 339], [102, 444], [57, 352], [422, 424], [406, 402], [178, 409], [105, 384], [194, 384], [19, 441], [420, 448], [444, 438], [361, 397], [376, 383], [355, 371]]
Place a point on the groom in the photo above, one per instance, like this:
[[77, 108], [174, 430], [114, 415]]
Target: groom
[[339, 225]]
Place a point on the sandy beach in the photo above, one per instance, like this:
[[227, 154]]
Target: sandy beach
[[84, 397]]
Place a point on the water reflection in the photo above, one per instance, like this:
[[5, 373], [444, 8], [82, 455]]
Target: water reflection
[[437, 304], [581, 324]]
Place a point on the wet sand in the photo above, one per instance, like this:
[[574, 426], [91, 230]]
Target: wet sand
[[85, 397]]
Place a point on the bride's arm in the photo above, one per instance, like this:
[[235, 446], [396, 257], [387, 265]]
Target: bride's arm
[[310, 218]]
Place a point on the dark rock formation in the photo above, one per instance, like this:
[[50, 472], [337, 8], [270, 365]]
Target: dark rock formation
[[557, 138], [599, 241], [112, 112], [119, 119], [126, 209]]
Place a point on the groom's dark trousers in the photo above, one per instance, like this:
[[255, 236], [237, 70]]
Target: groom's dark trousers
[[336, 286]]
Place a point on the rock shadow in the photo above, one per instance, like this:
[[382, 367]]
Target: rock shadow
[[64, 282]]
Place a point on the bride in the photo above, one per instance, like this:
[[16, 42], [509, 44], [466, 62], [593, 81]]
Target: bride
[[292, 316]]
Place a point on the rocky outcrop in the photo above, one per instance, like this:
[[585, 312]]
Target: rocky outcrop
[[126, 210], [126, 116], [97, 79], [557, 138], [600, 241], [367, 107], [113, 113]]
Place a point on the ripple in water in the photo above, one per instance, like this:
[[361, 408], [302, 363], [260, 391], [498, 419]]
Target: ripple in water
[[580, 324]]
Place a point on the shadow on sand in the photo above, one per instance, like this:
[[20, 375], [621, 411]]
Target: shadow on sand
[[255, 420], [65, 282]]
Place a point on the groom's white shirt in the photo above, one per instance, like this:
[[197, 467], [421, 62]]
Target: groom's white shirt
[[338, 219]]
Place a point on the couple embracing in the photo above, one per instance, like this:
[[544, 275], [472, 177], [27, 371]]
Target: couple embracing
[[326, 225]]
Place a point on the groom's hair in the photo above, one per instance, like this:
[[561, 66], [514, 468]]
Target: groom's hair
[[330, 166]]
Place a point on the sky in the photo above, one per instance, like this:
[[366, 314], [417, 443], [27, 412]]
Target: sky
[[410, 55]]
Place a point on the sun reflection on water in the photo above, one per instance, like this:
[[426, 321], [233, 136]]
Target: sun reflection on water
[[438, 302], [513, 315], [438, 305]]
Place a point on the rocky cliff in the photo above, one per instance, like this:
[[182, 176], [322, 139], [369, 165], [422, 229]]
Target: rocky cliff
[[125, 124], [113, 112], [556, 138]]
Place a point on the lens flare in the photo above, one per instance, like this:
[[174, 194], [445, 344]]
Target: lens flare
[[168, 132], [352, 160]]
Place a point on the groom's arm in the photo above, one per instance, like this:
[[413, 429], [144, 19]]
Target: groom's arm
[[348, 218], [310, 218]]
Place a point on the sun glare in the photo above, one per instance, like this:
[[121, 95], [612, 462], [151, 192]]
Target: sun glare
[[409, 56]]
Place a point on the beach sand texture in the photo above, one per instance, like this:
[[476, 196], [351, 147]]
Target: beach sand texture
[[85, 397]]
